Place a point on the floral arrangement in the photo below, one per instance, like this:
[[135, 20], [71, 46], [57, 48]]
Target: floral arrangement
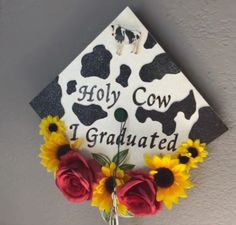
[[115, 187]]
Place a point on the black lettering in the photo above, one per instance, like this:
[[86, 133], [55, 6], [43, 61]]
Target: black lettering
[[74, 127], [151, 99], [84, 91], [172, 143], [92, 138], [162, 142], [108, 91], [116, 97], [129, 141], [120, 138], [142, 142], [111, 139], [135, 98], [153, 136], [100, 94], [90, 99], [102, 134], [163, 100]]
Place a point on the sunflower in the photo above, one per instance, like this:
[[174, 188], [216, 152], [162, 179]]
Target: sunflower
[[191, 153], [170, 178], [53, 149], [51, 125], [102, 194]]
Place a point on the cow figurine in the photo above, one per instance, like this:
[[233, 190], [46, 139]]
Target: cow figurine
[[124, 36]]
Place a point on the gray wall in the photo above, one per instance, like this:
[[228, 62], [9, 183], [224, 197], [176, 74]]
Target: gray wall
[[39, 38]]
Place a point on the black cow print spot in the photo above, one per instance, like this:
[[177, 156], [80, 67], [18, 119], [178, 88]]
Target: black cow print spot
[[208, 126], [88, 114], [96, 63], [150, 42], [48, 102], [71, 87], [187, 106], [158, 68], [125, 72]]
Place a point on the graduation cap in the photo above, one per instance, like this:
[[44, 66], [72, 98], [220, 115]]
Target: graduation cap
[[125, 76]]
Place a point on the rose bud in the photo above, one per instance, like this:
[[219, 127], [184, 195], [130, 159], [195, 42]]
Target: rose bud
[[76, 176], [139, 194]]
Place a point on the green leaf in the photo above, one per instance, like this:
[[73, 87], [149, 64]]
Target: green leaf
[[122, 157], [105, 216], [101, 159], [127, 167]]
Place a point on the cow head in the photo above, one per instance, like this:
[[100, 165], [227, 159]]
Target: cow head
[[114, 28]]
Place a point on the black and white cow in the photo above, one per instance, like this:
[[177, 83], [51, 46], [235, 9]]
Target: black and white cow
[[124, 36]]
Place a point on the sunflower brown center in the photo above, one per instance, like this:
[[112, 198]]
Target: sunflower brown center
[[164, 178], [183, 159], [63, 150], [193, 151], [52, 127], [110, 184]]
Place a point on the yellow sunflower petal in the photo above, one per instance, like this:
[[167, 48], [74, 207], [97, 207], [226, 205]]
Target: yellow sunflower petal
[[102, 194], [195, 157], [120, 173], [51, 125], [148, 161], [169, 191], [153, 172], [76, 144], [106, 171], [49, 151], [112, 166], [122, 209], [156, 161], [190, 142], [168, 203]]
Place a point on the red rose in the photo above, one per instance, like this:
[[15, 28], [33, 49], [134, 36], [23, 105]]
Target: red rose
[[139, 195], [76, 176]]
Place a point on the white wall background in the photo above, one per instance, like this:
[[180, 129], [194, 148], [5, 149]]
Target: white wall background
[[39, 38]]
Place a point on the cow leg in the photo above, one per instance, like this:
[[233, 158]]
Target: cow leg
[[119, 48], [135, 47]]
